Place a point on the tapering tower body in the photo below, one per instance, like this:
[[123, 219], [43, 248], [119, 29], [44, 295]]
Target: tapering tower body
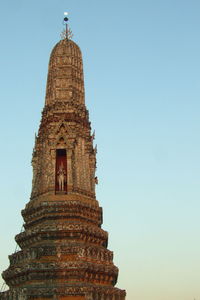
[[64, 251], [64, 142]]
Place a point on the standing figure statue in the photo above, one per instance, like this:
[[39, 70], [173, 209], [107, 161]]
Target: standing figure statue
[[61, 177]]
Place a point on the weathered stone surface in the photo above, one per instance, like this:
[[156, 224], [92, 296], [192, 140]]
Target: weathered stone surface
[[64, 251]]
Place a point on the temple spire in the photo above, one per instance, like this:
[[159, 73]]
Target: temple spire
[[63, 248]]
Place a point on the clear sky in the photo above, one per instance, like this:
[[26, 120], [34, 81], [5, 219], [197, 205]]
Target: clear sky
[[142, 81]]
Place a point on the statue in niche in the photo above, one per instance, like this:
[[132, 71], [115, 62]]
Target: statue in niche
[[61, 175]]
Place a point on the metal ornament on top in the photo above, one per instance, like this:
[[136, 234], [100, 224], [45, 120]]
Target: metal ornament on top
[[67, 32]]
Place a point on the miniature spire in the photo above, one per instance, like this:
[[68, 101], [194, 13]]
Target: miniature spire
[[67, 33]]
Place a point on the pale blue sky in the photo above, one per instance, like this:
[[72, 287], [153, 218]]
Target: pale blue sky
[[142, 81]]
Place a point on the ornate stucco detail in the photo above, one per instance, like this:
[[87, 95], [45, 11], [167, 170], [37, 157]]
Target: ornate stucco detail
[[63, 251]]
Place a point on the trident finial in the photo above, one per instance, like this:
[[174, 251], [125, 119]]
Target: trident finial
[[67, 33]]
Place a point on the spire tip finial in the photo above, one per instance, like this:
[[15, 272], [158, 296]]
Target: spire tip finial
[[67, 33]]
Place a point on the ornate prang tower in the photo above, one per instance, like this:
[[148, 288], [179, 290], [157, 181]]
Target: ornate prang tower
[[64, 253]]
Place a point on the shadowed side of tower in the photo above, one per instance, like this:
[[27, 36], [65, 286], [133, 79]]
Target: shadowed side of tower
[[64, 251]]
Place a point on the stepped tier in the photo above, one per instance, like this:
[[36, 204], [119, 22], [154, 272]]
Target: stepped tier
[[66, 293], [63, 248]]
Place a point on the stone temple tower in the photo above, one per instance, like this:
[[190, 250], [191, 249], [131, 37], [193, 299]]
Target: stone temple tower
[[64, 253]]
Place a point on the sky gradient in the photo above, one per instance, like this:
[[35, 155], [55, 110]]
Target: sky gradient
[[142, 80]]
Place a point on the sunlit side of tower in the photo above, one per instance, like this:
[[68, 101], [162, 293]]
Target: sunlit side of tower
[[64, 251]]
